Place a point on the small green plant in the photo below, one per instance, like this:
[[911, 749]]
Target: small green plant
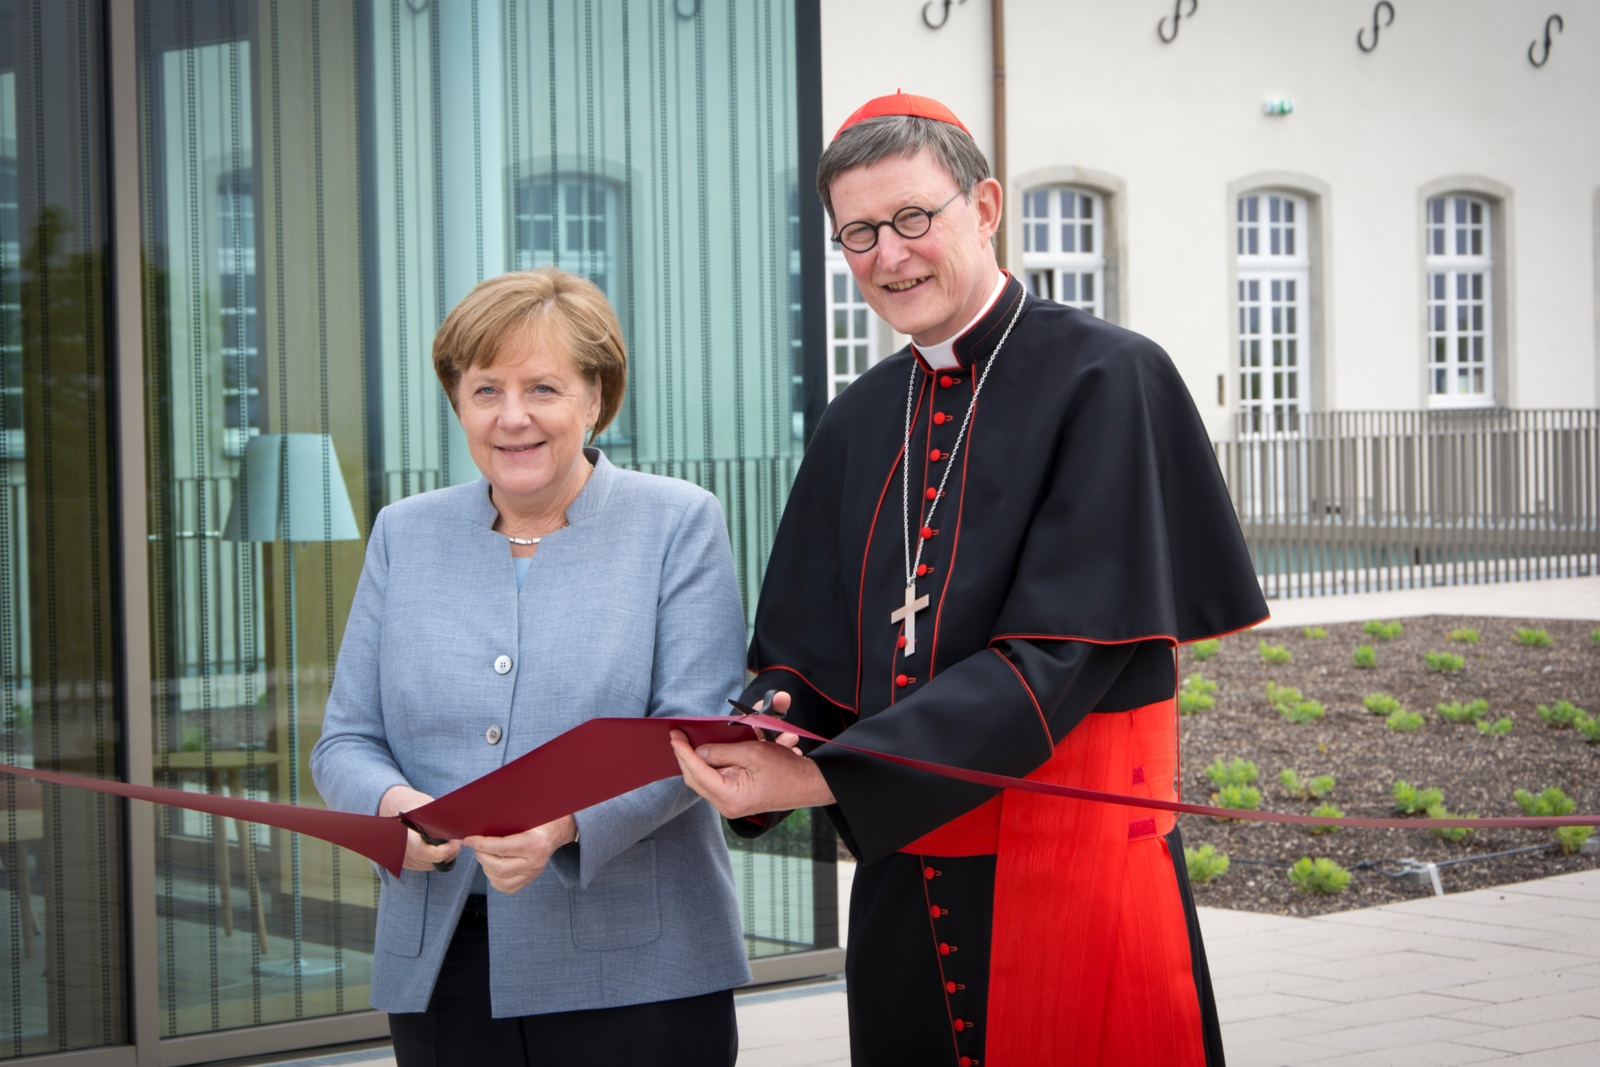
[[1364, 657], [1327, 811], [1279, 695], [1455, 711], [1594, 635], [1404, 721], [1573, 837], [1195, 695], [1450, 833], [1316, 633], [1315, 789], [1302, 711], [1533, 638], [1241, 797], [1274, 653], [1381, 704], [1321, 875], [194, 740], [1560, 714], [1551, 801], [1499, 728], [1444, 662], [1465, 636], [1205, 863], [1588, 726], [1383, 631], [1204, 650], [1408, 799], [1234, 772]]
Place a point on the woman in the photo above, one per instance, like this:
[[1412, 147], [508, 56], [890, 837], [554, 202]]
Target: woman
[[493, 616]]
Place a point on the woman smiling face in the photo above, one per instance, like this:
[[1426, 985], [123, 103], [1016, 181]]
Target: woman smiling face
[[525, 416]]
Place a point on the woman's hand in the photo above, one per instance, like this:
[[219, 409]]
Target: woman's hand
[[512, 862], [419, 857]]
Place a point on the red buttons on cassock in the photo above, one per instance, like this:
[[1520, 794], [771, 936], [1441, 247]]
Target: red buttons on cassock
[[927, 532], [929, 873], [966, 1061], [901, 680], [949, 987], [940, 418], [960, 1025], [936, 455], [944, 949], [932, 493], [934, 911], [922, 570], [946, 381], [900, 642]]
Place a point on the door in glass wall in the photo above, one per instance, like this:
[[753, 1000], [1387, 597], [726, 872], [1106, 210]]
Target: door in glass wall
[[62, 965], [320, 183]]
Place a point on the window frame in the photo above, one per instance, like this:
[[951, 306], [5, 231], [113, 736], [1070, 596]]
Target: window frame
[[1500, 379], [1279, 385], [1056, 263], [1445, 273], [1112, 239]]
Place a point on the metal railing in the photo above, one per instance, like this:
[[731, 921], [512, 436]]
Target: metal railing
[[1359, 501]]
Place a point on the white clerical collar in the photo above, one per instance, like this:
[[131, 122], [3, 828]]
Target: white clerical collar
[[942, 356]]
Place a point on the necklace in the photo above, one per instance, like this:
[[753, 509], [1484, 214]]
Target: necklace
[[531, 540], [907, 612]]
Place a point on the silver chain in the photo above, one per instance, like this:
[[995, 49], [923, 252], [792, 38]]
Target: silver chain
[[905, 465]]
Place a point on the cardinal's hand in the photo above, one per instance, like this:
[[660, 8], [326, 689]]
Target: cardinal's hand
[[751, 777]]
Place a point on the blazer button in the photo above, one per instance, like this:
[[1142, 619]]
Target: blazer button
[[502, 665], [492, 735]]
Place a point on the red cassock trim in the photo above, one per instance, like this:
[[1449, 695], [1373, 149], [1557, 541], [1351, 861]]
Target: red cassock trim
[[1089, 965]]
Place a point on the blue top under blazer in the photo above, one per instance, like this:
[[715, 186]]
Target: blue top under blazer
[[630, 610]]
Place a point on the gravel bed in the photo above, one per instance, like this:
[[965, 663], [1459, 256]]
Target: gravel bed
[[1477, 774]]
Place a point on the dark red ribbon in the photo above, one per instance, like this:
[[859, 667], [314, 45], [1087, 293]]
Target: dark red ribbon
[[604, 758]]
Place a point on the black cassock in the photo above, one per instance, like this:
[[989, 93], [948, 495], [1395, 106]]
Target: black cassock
[[1083, 531]]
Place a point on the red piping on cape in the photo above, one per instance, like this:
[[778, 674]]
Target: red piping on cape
[[1168, 638], [861, 588], [809, 682], [1029, 690], [955, 543]]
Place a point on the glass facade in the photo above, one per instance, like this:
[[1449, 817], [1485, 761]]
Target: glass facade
[[317, 184]]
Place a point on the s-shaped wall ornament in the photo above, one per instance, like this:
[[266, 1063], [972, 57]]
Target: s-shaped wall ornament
[[943, 18], [1553, 20], [1361, 34], [1178, 15]]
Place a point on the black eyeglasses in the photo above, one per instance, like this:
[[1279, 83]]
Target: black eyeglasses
[[908, 222]]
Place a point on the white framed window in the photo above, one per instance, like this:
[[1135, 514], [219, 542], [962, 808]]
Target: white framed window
[[1063, 246], [1460, 302], [852, 328], [569, 222], [1274, 270], [236, 273]]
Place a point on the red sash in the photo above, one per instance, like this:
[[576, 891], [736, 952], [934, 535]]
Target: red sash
[[1089, 964]]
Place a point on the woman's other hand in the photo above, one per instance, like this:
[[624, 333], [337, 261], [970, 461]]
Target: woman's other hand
[[510, 863], [419, 856]]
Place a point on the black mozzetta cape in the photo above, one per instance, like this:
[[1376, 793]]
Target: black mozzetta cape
[[1084, 530]]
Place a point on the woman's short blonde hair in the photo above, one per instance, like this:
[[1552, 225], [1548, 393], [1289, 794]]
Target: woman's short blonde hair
[[560, 306]]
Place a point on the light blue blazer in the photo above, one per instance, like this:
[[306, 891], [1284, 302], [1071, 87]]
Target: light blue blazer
[[448, 671]]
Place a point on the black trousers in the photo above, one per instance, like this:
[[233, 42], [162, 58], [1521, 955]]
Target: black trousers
[[457, 1030]]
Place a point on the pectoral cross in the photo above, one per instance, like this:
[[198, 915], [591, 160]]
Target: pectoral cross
[[908, 614]]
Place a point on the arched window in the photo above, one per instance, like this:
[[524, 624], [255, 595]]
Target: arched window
[[569, 221], [1460, 301], [1063, 246], [1274, 269]]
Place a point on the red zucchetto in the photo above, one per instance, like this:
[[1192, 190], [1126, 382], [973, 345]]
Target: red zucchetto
[[902, 103]]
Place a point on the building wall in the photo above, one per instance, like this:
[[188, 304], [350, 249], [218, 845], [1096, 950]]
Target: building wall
[[1448, 93]]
